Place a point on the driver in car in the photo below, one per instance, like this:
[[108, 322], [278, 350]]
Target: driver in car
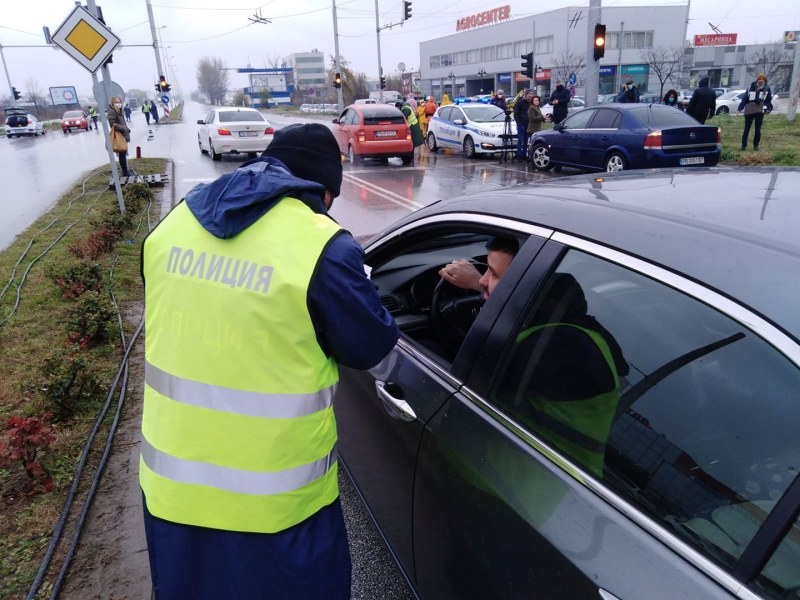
[[463, 274]]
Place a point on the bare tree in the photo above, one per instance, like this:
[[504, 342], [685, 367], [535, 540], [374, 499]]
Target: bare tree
[[275, 61], [569, 62], [774, 62], [212, 79], [34, 95], [354, 85], [667, 64]]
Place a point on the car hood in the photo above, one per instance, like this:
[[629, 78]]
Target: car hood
[[234, 201]]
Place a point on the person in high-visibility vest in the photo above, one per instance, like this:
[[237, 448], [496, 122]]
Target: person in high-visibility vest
[[253, 297]]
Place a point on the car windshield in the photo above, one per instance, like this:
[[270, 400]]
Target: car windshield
[[484, 113], [72, 114], [654, 117], [233, 116], [15, 110]]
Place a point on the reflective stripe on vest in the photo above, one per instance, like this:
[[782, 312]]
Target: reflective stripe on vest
[[579, 427], [238, 426]]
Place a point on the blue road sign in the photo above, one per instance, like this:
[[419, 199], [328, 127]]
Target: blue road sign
[[572, 79], [165, 99]]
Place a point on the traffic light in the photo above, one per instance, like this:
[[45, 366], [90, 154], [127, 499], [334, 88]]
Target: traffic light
[[527, 65], [163, 86], [599, 41], [337, 80], [158, 87], [17, 95], [383, 82], [406, 10]]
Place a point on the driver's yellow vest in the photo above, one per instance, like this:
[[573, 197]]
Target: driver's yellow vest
[[238, 431], [410, 117]]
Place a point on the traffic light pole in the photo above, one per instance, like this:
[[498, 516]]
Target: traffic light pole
[[5, 68], [154, 35], [337, 68], [380, 67], [592, 65]]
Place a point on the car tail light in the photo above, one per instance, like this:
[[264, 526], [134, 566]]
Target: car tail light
[[719, 136], [653, 141], [408, 133], [223, 131], [269, 131], [362, 135]]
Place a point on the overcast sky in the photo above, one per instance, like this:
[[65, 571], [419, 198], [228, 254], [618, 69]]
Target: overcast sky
[[222, 28]]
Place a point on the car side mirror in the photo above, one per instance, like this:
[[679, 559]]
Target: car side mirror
[[558, 126], [201, 122], [458, 122], [336, 121]]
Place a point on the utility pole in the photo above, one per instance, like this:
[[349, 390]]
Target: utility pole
[[160, 70], [380, 68], [618, 78], [592, 66], [794, 90], [8, 77], [338, 68]]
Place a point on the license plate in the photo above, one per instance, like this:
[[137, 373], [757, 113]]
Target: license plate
[[248, 134], [385, 134], [693, 160]]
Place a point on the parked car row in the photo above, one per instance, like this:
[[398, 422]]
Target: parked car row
[[319, 108]]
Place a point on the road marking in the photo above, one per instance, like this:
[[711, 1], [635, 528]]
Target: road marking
[[390, 196], [199, 179]]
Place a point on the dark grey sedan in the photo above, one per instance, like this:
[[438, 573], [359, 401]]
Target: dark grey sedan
[[618, 420]]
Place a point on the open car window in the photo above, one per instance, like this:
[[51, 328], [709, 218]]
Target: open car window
[[432, 315]]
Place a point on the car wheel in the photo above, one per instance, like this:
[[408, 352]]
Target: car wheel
[[723, 110], [9, 136], [540, 157], [615, 162], [432, 142], [252, 155], [352, 156], [214, 154], [200, 145], [469, 147], [65, 131], [407, 159]]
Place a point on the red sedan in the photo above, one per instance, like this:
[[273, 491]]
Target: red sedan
[[373, 131]]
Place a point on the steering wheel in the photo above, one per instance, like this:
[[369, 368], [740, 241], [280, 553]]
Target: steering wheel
[[452, 312]]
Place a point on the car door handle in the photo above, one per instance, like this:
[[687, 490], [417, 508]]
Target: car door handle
[[396, 407]]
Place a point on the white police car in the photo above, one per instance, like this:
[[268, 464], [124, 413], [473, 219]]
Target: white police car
[[475, 127]]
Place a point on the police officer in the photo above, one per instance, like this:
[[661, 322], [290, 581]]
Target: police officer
[[253, 297]]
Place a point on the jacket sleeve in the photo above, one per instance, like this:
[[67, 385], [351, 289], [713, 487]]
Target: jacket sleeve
[[351, 323], [768, 99], [692, 102]]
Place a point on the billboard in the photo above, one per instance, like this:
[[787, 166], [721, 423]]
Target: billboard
[[715, 39], [65, 94], [791, 36]]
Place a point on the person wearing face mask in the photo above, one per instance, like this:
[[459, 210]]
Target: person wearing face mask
[[756, 102], [499, 100], [629, 93], [671, 99], [116, 121], [560, 100]]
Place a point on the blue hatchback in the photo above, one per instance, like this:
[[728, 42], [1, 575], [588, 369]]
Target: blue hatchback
[[615, 137]]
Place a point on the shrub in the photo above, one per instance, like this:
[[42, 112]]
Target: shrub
[[25, 438], [91, 319], [68, 383], [100, 241], [75, 279], [136, 195]]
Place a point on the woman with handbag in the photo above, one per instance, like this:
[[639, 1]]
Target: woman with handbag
[[120, 133]]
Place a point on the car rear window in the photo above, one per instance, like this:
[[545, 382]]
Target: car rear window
[[665, 116], [73, 114], [233, 116], [380, 119]]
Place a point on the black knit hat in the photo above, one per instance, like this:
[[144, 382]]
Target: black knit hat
[[311, 152]]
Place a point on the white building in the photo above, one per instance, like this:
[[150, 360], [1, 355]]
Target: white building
[[310, 77], [485, 52]]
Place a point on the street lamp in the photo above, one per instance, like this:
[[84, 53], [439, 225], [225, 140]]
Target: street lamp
[[452, 77], [482, 73]]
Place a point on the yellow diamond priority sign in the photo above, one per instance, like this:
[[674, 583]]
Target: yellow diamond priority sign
[[85, 39]]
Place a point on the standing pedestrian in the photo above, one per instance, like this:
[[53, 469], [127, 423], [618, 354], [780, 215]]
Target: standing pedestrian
[[671, 99], [535, 119], [154, 111], [430, 108], [417, 138], [146, 110], [559, 100], [93, 116], [127, 113], [422, 117], [521, 107], [253, 297], [499, 100], [445, 100], [703, 102], [756, 102], [629, 94], [412, 102], [116, 122]]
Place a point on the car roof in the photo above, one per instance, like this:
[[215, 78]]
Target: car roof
[[379, 110], [237, 109], [734, 230]]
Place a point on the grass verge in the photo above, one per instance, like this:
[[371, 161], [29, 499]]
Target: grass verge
[[780, 141], [38, 346]]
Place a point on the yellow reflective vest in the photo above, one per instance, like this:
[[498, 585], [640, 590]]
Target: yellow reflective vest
[[238, 431]]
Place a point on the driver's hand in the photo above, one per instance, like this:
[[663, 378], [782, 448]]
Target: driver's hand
[[463, 274]]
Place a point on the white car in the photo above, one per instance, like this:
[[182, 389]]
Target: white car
[[574, 104], [233, 131], [729, 102], [20, 122], [474, 128]]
